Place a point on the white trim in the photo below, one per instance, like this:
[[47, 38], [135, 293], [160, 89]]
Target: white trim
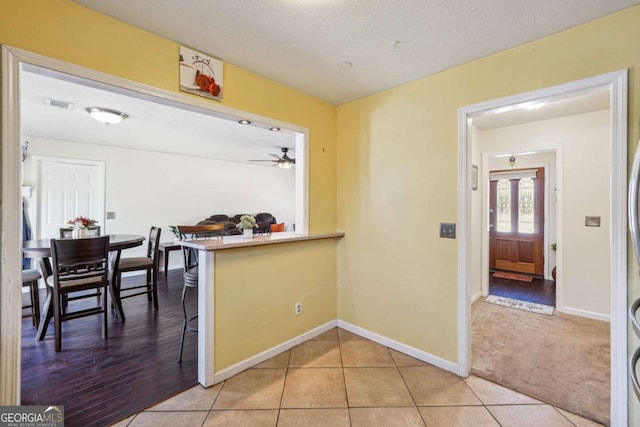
[[10, 248], [273, 351], [584, 313], [398, 346], [515, 174], [206, 317], [476, 297], [12, 61], [559, 227], [617, 81]]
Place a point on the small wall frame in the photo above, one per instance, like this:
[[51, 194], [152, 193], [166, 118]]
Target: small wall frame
[[200, 74]]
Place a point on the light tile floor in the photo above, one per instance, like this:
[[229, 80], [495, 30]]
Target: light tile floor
[[340, 379]]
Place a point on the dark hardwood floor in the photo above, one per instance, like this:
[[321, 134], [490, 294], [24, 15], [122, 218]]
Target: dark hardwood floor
[[102, 381], [538, 291]]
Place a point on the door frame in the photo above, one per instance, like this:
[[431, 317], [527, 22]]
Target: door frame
[[35, 164], [11, 61], [617, 83]]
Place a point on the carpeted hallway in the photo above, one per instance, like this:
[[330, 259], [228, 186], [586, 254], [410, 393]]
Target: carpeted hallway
[[562, 360]]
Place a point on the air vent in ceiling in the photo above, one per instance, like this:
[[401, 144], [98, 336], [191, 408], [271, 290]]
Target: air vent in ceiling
[[58, 104]]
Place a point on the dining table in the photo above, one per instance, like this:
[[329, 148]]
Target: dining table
[[41, 249]]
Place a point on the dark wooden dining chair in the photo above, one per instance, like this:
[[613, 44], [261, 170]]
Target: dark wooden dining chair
[[190, 275], [66, 233], [30, 278], [78, 265], [148, 264]]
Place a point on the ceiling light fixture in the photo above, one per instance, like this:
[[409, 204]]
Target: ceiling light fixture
[[106, 115], [285, 163], [345, 65], [244, 122], [274, 129]]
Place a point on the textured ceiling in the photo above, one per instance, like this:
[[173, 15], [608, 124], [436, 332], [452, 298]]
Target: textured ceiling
[[389, 42]]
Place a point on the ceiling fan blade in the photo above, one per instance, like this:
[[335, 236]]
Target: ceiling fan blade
[[275, 155], [275, 161]]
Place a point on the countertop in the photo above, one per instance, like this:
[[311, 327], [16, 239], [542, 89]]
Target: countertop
[[232, 242]]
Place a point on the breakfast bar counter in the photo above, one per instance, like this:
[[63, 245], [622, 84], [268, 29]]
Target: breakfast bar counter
[[247, 289]]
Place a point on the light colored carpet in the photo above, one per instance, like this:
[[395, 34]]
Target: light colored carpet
[[562, 360]]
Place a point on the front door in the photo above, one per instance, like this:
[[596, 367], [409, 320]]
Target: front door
[[516, 215]]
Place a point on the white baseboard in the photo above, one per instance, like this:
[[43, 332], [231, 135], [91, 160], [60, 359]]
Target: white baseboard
[[402, 348], [387, 342], [274, 351], [475, 297], [585, 313]]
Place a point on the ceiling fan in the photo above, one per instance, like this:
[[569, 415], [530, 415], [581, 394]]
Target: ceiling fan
[[284, 162]]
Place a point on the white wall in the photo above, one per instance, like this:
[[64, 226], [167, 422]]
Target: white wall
[[148, 188], [581, 141]]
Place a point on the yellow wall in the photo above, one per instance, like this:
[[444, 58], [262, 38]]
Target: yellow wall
[[252, 315], [69, 32], [397, 176]]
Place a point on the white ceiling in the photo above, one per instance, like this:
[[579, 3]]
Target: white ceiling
[[578, 102], [150, 126], [389, 42]]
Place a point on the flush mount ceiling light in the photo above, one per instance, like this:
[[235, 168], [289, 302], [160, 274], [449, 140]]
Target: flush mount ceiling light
[[106, 115]]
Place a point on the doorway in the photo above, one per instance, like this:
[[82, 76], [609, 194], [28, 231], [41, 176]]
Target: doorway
[[14, 61], [616, 84]]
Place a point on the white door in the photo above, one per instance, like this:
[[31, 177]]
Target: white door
[[67, 189]]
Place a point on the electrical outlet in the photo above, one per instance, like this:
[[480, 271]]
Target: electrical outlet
[[298, 308]]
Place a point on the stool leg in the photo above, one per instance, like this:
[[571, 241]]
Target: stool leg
[[184, 326]]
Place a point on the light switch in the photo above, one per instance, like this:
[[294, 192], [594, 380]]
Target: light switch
[[592, 221], [447, 230]]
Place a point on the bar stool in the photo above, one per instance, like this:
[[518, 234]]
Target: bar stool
[[190, 275], [30, 278]]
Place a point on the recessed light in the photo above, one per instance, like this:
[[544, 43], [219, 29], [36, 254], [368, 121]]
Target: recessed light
[[244, 122], [106, 115], [274, 129]]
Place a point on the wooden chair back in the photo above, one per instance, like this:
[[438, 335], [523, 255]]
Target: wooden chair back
[[153, 248], [80, 261], [189, 232]]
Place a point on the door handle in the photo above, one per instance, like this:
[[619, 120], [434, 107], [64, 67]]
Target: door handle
[[633, 373], [633, 204]]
